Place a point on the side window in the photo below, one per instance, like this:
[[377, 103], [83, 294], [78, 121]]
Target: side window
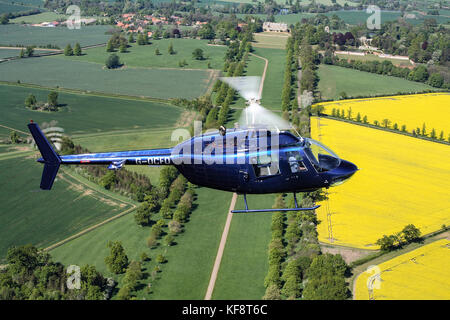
[[265, 167], [296, 162]]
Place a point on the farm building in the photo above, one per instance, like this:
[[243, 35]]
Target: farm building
[[275, 27]]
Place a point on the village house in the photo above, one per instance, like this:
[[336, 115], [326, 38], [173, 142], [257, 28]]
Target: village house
[[275, 27]]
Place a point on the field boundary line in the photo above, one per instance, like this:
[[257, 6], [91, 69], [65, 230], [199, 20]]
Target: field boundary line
[[27, 133], [84, 231], [90, 93], [223, 240], [77, 235]]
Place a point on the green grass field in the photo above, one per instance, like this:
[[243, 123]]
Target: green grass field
[[271, 40], [273, 84], [156, 83], [245, 262], [333, 80], [186, 274], [372, 57], [39, 18], [15, 34], [9, 7], [85, 113], [30, 215], [144, 56]]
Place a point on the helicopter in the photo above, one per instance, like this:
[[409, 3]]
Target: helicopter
[[260, 155]]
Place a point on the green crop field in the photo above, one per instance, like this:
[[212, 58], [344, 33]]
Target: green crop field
[[187, 272], [334, 80], [245, 261], [273, 84], [85, 113], [9, 7], [271, 40], [145, 82], [39, 18], [372, 57], [30, 215], [15, 34], [144, 56]]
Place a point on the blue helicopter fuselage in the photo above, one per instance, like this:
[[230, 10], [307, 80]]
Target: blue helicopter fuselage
[[242, 161]]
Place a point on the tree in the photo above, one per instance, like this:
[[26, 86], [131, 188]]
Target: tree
[[386, 123], [131, 38], [124, 293], [272, 293], [22, 53], [424, 130], [68, 50], [117, 261], [29, 51], [206, 32], [77, 49], [160, 258], [30, 101], [197, 54], [109, 46], [411, 233], [4, 19], [436, 80], [168, 240], [419, 74], [387, 243], [14, 137], [157, 52], [53, 98], [113, 61], [133, 274], [144, 257], [328, 287], [143, 213], [123, 48], [108, 180], [170, 49], [152, 241], [174, 227]]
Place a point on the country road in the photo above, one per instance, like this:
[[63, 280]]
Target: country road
[[226, 229]]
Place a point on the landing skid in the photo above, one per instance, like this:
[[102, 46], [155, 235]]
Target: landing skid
[[247, 210]]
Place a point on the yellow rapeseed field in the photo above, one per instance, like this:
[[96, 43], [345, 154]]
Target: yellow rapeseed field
[[402, 180], [433, 109], [419, 274]]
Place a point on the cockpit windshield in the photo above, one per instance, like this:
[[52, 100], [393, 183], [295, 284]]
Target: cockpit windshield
[[322, 158]]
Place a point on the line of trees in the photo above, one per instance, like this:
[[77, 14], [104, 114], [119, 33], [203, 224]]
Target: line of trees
[[297, 270], [385, 123], [410, 233]]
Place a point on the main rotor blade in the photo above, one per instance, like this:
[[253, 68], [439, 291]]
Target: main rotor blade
[[248, 87], [256, 115]]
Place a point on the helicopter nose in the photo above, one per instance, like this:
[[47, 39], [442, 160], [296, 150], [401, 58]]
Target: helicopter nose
[[342, 173]]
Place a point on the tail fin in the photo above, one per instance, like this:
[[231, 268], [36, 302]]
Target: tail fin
[[51, 158]]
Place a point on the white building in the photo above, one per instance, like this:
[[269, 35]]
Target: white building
[[275, 27]]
